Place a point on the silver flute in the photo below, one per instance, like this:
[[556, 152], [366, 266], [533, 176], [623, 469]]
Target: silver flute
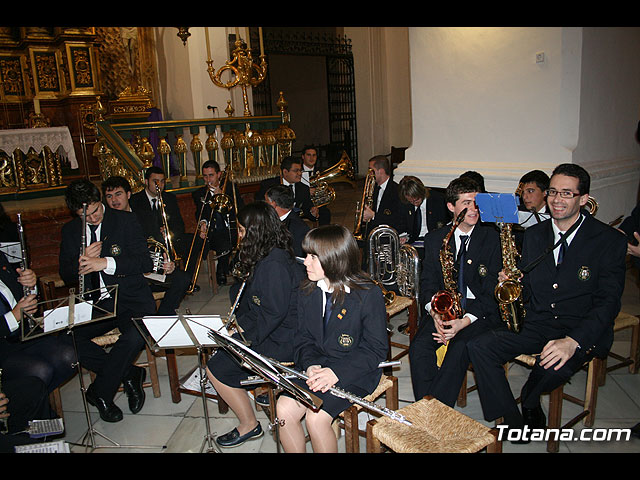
[[83, 248], [338, 392]]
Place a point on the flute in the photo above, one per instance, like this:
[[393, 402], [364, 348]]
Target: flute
[[83, 247], [338, 392]]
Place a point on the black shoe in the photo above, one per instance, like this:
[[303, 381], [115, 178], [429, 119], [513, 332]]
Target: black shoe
[[534, 417], [234, 439], [404, 328], [132, 385], [109, 411], [221, 279], [263, 400]]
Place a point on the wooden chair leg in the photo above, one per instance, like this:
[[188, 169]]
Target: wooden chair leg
[[55, 399], [462, 395], [591, 393], [172, 368], [153, 372], [634, 352], [373, 444], [496, 446], [555, 417], [352, 436]]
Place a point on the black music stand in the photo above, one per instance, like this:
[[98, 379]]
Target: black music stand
[[266, 368], [184, 331]]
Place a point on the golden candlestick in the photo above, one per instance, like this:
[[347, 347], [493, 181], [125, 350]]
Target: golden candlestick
[[242, 67]]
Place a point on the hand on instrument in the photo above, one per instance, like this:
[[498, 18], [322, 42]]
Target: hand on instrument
[[367, 214], [315, 211], [203, 227], [321, 378], [455, 326], [168, 266], [88, 264], [94, 249], [556, 352], [3, 406], [26, 277], [27, 303], [634, 249]]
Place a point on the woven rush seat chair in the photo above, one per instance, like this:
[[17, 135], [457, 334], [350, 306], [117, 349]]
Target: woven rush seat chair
[[436, 428], [623, 321], [348, 420]]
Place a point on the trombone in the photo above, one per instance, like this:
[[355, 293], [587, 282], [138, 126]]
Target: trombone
[[219, 202], [166, 233]]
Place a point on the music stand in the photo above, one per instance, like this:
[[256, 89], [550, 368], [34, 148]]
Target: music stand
[[267, 369], [184, 331], [497, 208]]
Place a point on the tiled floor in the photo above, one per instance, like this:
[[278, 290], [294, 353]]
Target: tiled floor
[[164, 426]]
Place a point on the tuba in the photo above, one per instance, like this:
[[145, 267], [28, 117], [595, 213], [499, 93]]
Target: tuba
[[509, 292], [384, 254], [366, 201], [323, 193], [447, 302]]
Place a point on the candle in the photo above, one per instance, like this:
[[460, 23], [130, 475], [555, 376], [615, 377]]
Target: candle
[[261, 41], [206, 36], [36, 106]]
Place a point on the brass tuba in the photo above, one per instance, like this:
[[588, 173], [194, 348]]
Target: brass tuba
[[384, 254], [366, 201], [323, 193], [509, 292], [446, 302]]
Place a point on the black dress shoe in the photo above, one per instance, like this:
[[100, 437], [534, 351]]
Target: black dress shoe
[[132, 385], [109, 411], [221, 279], [234, 439], [534, 417]]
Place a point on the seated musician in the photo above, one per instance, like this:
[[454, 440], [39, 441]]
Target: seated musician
[[145, 205], [266, 313], [49, 358], [387, 208], [571, 297], [291, 176], [218, 227], [475, 260], [281, 198], [533, 208], [426, 211], [117, 192], [309, 169], [340, 339], [116, 254]]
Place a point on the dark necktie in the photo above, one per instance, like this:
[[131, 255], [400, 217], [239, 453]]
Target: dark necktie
[[4, 305], [563, 249], [327, 308], [417, 222], [94, 276], [461, 259]]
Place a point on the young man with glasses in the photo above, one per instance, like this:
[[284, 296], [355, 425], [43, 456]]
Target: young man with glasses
[[572, 297]]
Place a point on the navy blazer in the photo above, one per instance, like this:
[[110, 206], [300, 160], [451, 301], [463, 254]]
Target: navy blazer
[[582, 297], [484, 262], [438, 215], [267, 308], [9, 277], [302, 199], [391, 210], [123, 240], [354, 341], [298, 229], [220, 236]]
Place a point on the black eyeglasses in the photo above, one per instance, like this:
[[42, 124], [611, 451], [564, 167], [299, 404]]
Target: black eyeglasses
[[563, 194]]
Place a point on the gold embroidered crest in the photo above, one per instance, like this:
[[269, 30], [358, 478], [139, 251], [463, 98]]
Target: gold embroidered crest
[[387, 211], [482, 270], [256, 300], [584, 273], [345, 340], [115, 250]]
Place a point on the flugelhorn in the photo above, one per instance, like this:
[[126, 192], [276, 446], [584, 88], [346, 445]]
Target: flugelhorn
[[322, 193], [365, 201]]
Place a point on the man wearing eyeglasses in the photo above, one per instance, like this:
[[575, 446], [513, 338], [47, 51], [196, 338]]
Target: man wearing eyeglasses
[[572, 296]]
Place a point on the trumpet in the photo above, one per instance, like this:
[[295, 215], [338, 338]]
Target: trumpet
[[366, 201]]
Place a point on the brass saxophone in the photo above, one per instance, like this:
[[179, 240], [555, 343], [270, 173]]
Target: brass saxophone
[[509, 292], [447, 302]]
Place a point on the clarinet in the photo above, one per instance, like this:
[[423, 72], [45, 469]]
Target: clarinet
[[338, 392], [83, 248], [24, 262], [4, 425]]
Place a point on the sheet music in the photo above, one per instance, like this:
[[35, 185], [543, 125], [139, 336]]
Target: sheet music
[[58, 446], [12, 251], [58, 318], [168, 332]]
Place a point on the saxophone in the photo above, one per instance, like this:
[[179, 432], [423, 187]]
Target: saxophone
[[447, 302], [509, 292]]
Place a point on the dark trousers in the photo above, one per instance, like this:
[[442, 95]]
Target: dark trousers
[[28, 400], [175, 287], [490, 351], [113, 366], [50, 358], [443, 383]]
